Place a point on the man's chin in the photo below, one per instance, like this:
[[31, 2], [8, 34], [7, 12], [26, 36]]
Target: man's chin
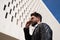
[[33, 24]]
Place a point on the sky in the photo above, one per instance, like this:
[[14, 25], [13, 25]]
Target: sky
[[54, 7]]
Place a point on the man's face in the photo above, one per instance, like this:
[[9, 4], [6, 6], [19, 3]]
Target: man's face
[[34, 20]]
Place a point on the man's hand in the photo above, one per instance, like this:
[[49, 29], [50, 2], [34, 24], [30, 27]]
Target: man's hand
[[28, 24]]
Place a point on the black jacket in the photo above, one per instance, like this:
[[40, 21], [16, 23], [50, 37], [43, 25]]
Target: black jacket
[[41, 32]]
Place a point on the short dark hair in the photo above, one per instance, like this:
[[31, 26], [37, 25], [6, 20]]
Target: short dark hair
[[37, 15]]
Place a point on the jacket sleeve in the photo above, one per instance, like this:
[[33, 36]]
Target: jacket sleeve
[[27, 35], [46, 32]]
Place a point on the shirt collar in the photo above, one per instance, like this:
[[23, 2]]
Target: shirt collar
[[35, 25]]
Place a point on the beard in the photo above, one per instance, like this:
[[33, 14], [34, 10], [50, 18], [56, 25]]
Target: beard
[[34, 23]]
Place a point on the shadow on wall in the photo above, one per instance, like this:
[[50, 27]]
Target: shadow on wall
[[6, 37]]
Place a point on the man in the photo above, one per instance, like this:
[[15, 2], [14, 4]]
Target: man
[[41, 32]]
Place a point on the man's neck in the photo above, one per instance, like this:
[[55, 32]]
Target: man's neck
[[38, 22]]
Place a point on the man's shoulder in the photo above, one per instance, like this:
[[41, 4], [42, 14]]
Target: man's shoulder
[[44, 25]]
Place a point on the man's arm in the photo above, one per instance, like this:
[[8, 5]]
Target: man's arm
[[26, 31], [27, 35]]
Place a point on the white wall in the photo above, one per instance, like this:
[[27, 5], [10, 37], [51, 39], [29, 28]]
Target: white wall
[[15, 28]]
